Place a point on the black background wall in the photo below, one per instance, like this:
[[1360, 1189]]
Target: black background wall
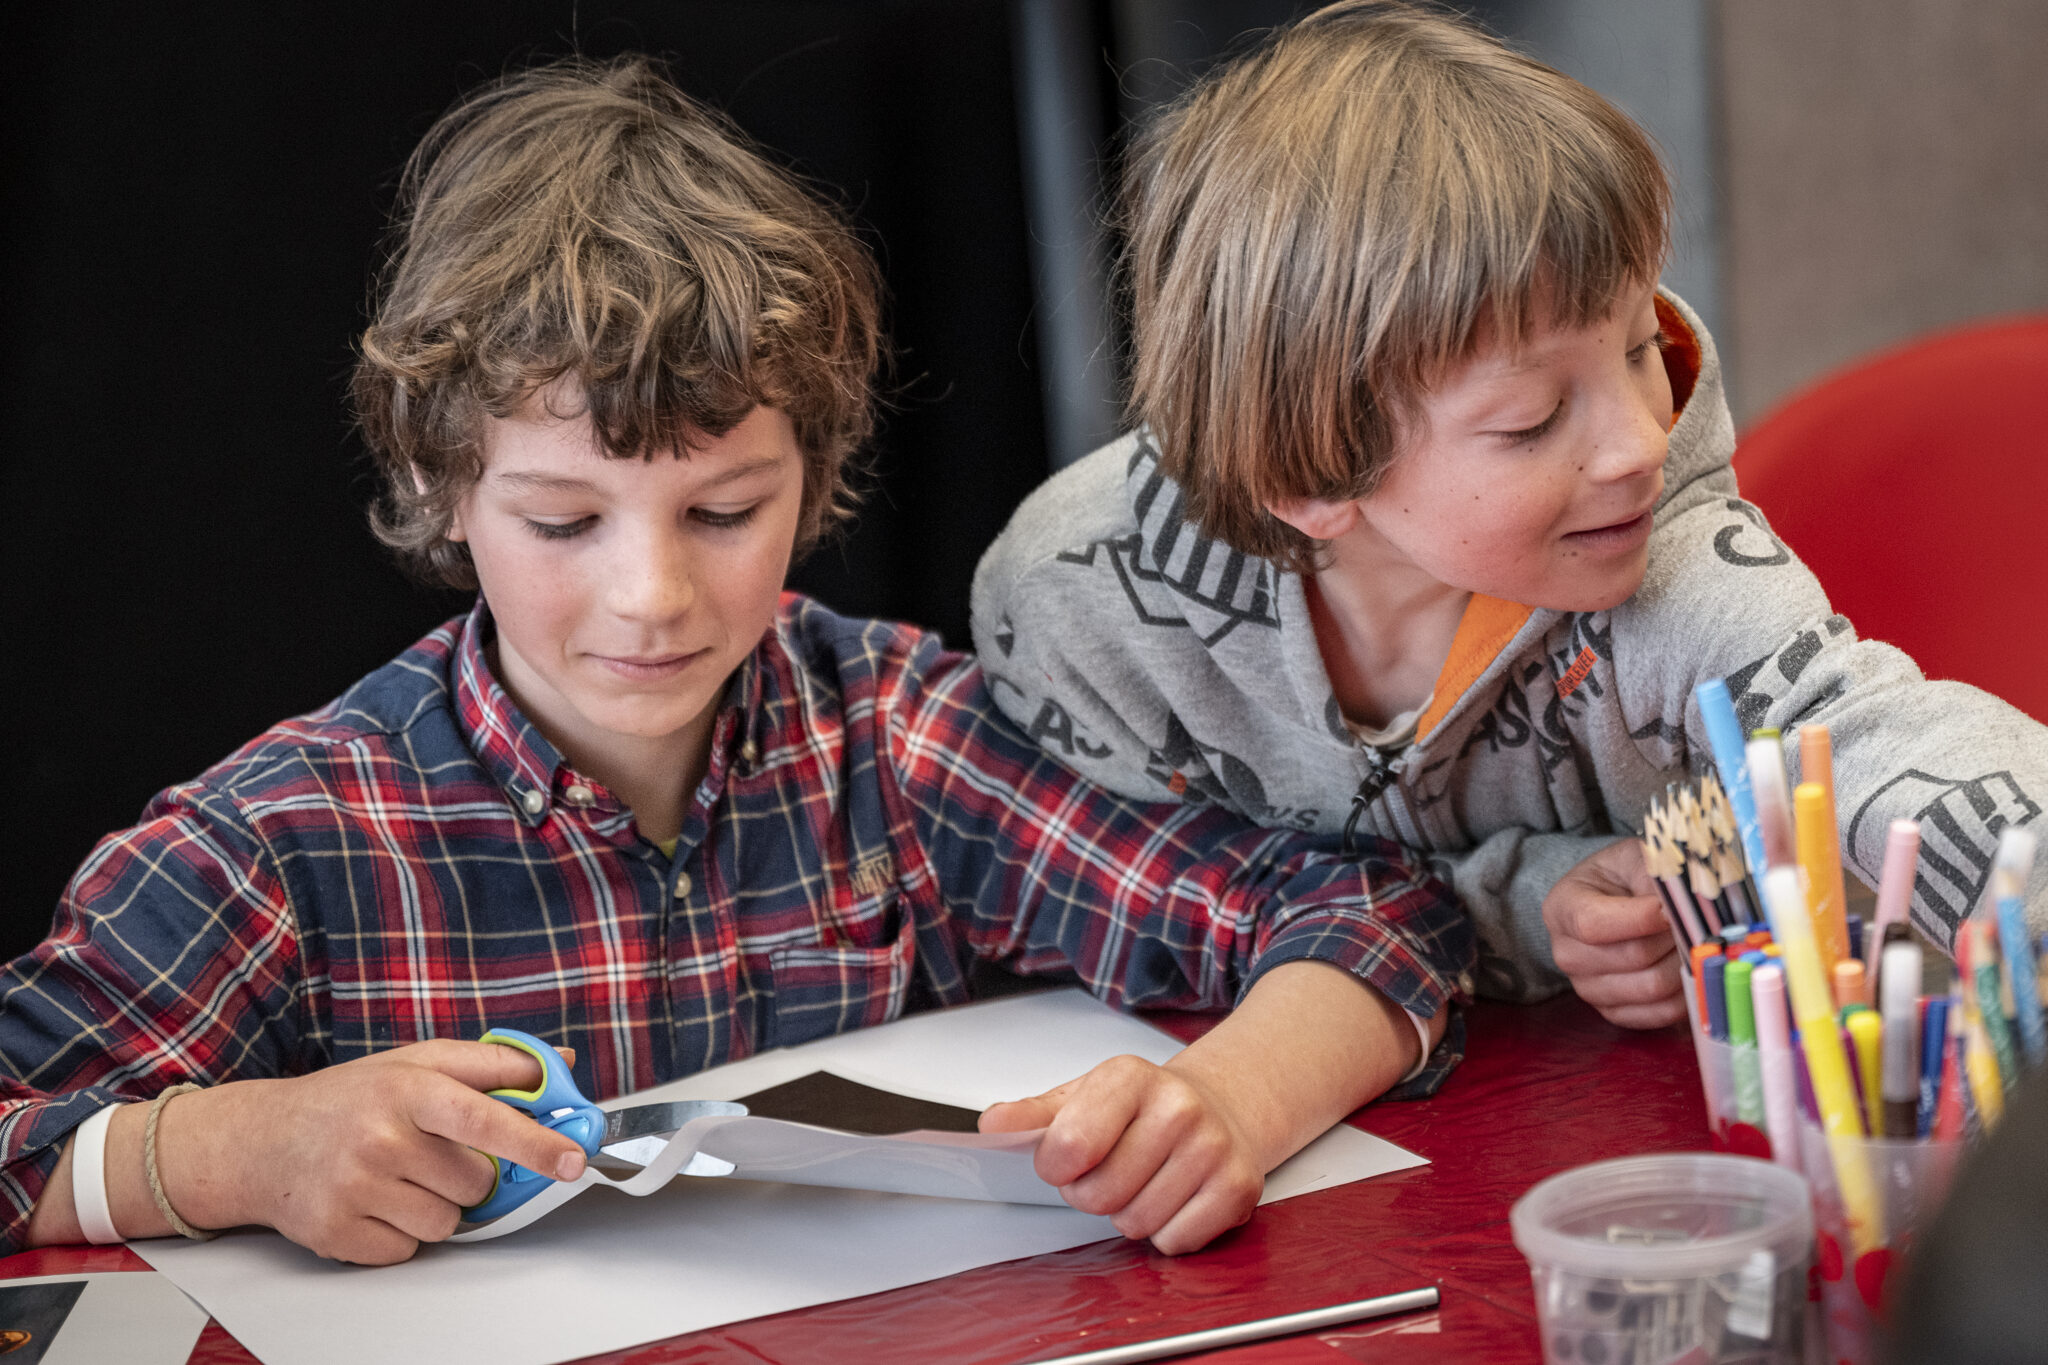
[[193, 200]]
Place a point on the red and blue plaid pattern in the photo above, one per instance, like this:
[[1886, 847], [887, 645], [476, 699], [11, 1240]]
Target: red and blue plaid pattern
[[417, 861]]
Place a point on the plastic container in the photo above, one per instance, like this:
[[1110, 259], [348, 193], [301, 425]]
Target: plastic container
[[1857, 1267], [1654, 1258]]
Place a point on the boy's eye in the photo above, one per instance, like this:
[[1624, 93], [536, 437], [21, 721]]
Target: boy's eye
[[1658, 340], [725, 521], [1527, 434], [560, 530]]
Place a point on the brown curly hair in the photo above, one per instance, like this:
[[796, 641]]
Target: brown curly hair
[[588, 221]]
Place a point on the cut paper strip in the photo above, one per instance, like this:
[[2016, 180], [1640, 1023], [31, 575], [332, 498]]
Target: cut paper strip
[[994, 1166]]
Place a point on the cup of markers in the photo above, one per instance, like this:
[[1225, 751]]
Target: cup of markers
[[1819, 1047]]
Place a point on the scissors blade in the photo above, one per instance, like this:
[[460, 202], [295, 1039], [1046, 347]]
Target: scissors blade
[[634, 1137]]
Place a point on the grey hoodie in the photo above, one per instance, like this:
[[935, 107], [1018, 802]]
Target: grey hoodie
[[1163, 664]]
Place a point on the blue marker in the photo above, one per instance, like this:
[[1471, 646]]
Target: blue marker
[[1714, 975], [1724, 736], [2026, 991], [1933, 1039], [1856, 937]]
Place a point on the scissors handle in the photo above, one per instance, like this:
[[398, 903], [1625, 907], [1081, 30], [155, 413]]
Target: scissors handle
[[557, 1104]]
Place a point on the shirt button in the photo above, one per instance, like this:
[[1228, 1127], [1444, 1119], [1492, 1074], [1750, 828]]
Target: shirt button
[[535, 802], [579, 796], [682, 885], [748, 753]]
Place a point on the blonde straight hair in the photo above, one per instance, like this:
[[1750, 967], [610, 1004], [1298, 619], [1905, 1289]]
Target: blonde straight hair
[[1319, 228]]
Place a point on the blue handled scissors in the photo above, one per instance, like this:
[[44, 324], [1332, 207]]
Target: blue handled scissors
[[557, 1104]]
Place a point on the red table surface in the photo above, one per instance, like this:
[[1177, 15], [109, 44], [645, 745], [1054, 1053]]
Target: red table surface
[[1543, 1088]]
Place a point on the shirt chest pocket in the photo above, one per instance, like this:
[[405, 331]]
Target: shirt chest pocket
[[822, 989]]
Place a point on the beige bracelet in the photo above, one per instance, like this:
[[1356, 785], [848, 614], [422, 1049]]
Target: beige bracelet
[[156, 1184]]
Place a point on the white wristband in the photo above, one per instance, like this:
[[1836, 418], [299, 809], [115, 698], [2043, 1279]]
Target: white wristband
[[89, 1179]]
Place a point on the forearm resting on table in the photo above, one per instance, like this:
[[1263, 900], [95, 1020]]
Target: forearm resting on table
[[1307, 1045], [181, 1167]]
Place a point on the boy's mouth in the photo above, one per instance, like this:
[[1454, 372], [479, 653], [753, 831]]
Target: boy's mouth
[[649, 667], [1615, 536]]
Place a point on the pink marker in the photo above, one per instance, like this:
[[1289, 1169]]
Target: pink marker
[[1773, 797], [1894, 891], [1774, 1056]]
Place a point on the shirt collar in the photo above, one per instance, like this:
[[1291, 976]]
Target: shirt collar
[[528, 766], [514, 751]]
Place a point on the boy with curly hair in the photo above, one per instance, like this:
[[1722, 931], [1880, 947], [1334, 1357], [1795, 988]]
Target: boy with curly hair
[[639, 801]]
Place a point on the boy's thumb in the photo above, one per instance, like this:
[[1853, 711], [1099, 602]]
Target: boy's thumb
[[1019, 1116]]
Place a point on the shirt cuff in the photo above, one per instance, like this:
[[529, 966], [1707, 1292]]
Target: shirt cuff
[[1422, 1053]]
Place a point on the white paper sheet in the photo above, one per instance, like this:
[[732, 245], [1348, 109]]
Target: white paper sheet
[[994, 1166], [609, 1271], [129, 1317]]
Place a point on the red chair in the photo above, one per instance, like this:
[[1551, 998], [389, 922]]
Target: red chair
[[1915, 484]]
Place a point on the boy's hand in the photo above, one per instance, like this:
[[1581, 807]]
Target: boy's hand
[[1150, 1146], [1609, 934], [362, 1161]]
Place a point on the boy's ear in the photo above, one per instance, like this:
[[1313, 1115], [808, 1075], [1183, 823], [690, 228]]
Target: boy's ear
[[455, 531], [1317, 518]]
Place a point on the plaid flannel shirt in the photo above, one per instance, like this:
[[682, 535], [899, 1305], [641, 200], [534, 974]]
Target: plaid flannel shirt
[[416, 861]]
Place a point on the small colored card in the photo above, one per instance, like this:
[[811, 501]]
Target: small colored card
[[30, 1316]]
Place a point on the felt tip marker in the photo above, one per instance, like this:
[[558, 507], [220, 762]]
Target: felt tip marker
[[1772, 791], [1820, 860], [1866, 1038], [1826, 1062], [1775, 1063], [1933, 1049], [2022, 977], [1895, 883], [1714, 980], [1899, 1010], [1749, 1082], [1990, 1002]]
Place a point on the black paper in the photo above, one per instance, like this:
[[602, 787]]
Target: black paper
[[31, 1314], [824, 1100]]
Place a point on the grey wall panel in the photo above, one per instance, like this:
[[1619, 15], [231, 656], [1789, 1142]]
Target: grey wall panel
[[1886, 173]]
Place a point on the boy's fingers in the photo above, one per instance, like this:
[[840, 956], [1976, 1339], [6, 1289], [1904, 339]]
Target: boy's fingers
[[1658, 1015], [1652, 985], [419, 1213], [480, 1066], [496, 1129], [1613, 919], [1155, 1203], [1216, 1208], [1021, 1116], [1634, 955], [461, 1175], [371, 1241], [1089, 1125]]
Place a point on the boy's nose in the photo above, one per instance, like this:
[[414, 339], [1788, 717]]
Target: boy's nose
[[1635, 442], [656, 583]]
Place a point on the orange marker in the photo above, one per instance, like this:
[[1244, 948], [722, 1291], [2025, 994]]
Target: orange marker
[[1700, 953], [1848, 983], [1820, 860]]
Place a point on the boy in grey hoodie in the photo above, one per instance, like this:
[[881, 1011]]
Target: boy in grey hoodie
[[1429, 529]]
